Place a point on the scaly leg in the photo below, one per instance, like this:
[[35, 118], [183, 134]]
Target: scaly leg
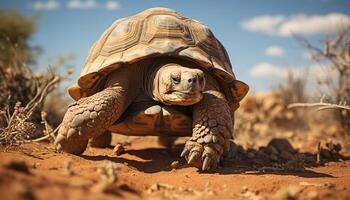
[[212, 131], [89, 117]]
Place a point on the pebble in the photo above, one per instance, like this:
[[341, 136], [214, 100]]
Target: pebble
[[286, 155], [119, 149], [175, 164], [244, 189], [312, 194], [272, 150], [273, 157]]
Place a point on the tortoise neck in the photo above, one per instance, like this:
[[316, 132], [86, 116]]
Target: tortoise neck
[[150, 80]]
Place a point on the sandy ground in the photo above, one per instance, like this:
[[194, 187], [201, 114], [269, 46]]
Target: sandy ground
[[36, 171]]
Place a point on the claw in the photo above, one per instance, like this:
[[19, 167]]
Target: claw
[[59, 139], [59, 148], [193, 157], [184, 152], [206, 164], [71, 132]]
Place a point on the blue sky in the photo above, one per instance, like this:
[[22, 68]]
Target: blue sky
[[256, 33]]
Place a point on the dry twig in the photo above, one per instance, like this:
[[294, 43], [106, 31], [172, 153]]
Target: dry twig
[[320, 105]]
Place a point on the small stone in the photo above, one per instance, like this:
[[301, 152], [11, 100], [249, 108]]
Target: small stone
[[67, 166], [36, 165], [104, 187], [175, 164], [281, 145], [244, 189], [290, 192], [312, 194], [273, 157], [286, 155], [158, 186], [119, 149], [272, 150], [262, 155]]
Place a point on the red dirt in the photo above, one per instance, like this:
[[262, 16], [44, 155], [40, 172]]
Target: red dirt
[[36, 171]]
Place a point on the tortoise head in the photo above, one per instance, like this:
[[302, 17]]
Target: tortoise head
[[176, 84]]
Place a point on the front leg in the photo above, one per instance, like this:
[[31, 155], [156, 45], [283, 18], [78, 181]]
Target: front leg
[[89, 117], [212, 131]]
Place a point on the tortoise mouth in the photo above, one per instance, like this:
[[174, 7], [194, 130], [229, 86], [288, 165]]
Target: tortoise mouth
[[183, 97]]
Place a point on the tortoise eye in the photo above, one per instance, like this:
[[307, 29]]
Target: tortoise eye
[[175, 79]]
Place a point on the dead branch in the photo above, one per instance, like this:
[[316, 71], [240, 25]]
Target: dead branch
[[320, 105], [35, 101], [16, 132], [51, 134]]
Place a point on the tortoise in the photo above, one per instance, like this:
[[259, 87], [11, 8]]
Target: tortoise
[[155, 73]]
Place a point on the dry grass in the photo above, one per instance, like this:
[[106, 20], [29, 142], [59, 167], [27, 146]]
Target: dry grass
[[24, 92], [19, 124]]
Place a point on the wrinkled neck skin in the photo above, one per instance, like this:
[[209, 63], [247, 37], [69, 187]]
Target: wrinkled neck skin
[[151, 81]]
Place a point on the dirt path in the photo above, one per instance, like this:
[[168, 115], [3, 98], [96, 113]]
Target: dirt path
[[144, 172]]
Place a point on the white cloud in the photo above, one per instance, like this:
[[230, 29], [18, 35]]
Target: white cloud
[[316, 71], [81, 4], [112, 5], [46, 5], [306, 55], [274, 51], [297, 24], [265, 69], [266, 24]]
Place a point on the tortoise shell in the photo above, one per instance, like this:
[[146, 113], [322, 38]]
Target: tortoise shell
[[157, 32]]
